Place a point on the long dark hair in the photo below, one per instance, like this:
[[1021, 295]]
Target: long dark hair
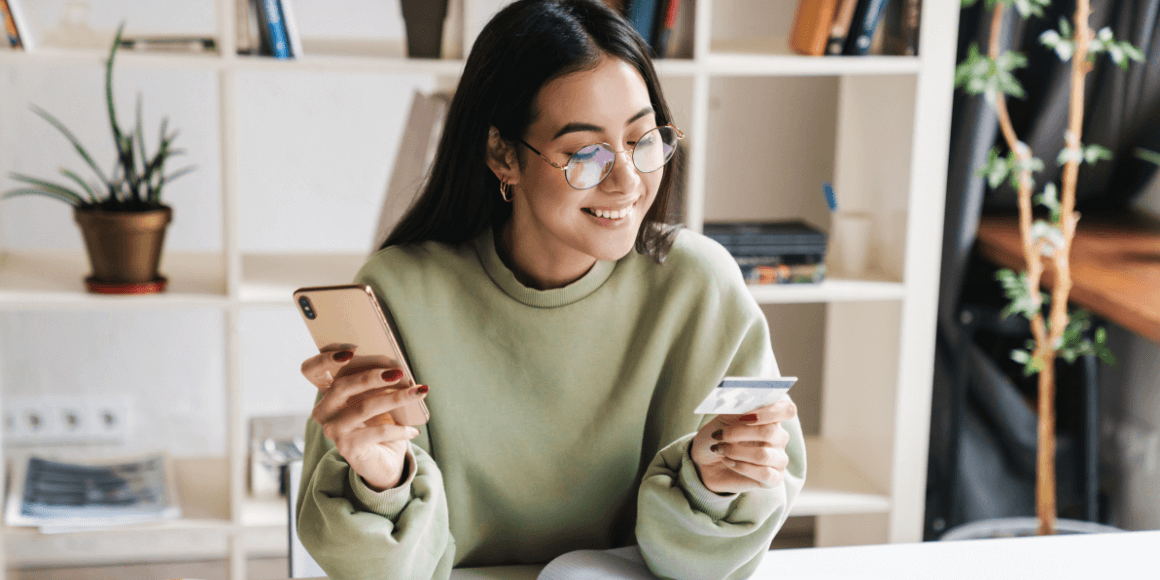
[[522, 48]]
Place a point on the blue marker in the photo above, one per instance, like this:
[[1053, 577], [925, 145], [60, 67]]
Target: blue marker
[[830, 199]]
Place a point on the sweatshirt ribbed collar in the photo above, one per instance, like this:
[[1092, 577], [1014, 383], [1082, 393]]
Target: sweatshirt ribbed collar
[[506, 279]]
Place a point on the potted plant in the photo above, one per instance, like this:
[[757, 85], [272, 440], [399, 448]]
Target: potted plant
[[1058, 333], [121, 216]]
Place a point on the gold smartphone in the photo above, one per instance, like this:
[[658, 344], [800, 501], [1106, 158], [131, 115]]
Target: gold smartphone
[[348, 317]]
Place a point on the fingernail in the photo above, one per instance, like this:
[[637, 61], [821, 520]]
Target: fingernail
[[717, 448], [718, 435], [392, 375], [750, 418], [419, 390], [412, 432], [343, 356]]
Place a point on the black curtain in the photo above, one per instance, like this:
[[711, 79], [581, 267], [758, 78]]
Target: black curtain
[[982, 442]]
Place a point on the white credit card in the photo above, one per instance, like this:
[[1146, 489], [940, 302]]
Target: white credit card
[[738, 395]]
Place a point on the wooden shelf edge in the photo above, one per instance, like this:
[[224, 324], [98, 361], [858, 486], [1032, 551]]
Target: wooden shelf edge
[[830, 290], [834, 486]]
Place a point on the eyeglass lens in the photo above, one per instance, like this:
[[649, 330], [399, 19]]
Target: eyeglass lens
[[590, 165]]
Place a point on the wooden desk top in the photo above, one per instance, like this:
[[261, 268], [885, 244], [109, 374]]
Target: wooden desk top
[[1115, 265]]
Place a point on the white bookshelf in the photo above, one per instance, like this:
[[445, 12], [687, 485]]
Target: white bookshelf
[[882, 129]]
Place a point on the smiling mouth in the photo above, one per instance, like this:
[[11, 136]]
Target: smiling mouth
[[613, 214]]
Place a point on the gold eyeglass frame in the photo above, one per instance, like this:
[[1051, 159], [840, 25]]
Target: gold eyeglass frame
[[680, 135]]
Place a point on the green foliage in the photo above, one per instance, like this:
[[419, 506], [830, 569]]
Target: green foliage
[[1026, 8], [980, 74], [1121, 52], [996, 168], [1050, 200], [137, 180], [1146, 155], [1049, 234], [1073, 344], [1092, 154], [1016, 289], [1060, 41]]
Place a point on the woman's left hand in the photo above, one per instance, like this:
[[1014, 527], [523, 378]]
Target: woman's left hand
[[739, 453]]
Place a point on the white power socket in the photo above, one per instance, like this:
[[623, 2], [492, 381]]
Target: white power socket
[[53, 419]]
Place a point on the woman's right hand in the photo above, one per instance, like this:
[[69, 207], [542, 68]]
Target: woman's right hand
[[375, 449]]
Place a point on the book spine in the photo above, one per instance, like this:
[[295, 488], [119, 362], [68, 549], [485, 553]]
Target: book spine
[[293, 39], [640, 13], [272, 18], [20, 23], [811, 27], [840, 28], [911, 14], [9, 25], [664, 34], [866, 20], [784, 274]]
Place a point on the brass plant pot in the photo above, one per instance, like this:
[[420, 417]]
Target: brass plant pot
[[124, 248]]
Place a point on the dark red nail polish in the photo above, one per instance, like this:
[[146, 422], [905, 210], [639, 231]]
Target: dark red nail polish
[[421, 390], [750, 418], [343, 355], [392, 375], [718, 435], [716, 448]]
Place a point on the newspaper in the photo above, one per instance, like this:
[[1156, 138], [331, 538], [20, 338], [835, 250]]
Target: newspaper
[[66, 494]]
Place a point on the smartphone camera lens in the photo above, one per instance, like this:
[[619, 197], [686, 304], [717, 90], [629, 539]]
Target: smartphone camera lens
[[307, 309]]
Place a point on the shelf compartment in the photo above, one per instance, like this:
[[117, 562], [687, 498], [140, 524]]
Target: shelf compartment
[[271, 279], [830, 290], [834, 485], [55, 279], [203, 531]]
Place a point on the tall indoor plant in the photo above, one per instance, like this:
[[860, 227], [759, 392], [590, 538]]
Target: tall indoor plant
[[121, 216], [1058, 333]]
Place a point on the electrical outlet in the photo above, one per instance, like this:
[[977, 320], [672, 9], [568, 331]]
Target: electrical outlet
[[54, 420]]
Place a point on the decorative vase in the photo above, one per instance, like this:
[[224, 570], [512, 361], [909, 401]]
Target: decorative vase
[[124, 249], [424, 21]]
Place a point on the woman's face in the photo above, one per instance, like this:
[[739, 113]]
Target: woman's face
[[609, 104]]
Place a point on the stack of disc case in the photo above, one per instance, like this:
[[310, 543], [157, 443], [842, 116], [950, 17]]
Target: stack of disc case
[[785, 252]]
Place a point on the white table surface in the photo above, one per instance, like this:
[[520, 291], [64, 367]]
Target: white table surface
[[1081, 556]]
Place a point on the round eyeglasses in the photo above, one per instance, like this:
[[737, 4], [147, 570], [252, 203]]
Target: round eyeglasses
[[589, 166]]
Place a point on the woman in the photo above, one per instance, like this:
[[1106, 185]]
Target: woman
[[566, 334]]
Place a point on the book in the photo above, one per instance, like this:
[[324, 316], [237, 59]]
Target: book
[[19, 24], [169, 44], [640, 13], [9, 25], [413, 160], [792, 233], [774, 272], [811, 26], [61, 494], [840, 27], [249, 38], [273, 34], [862, 29], [290, 25], [666, 22]]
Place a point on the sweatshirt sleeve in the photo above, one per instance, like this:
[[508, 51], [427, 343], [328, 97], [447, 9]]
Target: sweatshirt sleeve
[[355, 532], [686, 531]]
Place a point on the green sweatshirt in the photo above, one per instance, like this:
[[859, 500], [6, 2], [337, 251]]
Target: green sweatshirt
[[560, 419]]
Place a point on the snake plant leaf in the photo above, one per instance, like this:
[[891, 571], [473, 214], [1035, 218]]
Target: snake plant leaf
[[117, 138], [72, 139], [94, 199], [47, 186], [77, 202]]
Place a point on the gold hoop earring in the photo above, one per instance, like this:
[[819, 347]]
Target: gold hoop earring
[[505, 191]]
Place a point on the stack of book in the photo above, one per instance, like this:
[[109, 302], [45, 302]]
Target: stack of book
[[659, 22], [15, 25], [789, 252], [856, 27]]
